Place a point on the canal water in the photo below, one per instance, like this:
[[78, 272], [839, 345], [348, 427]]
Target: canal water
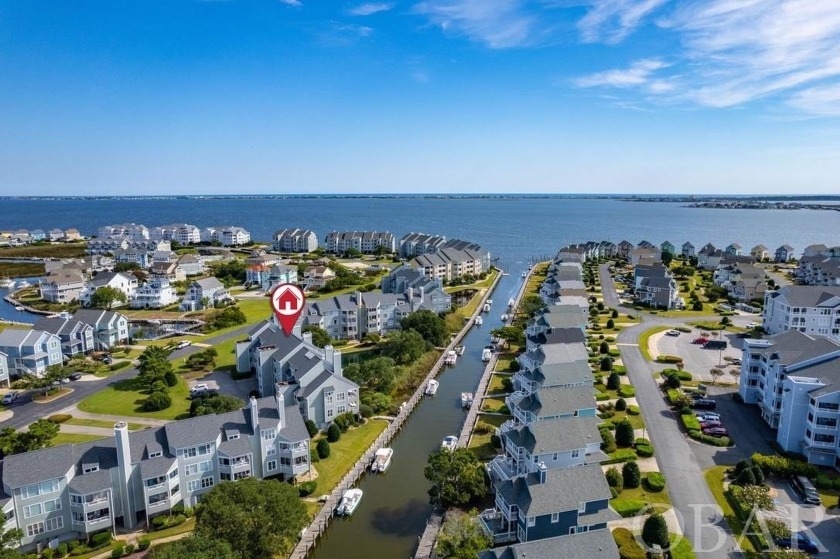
[[8, 312], [395, 506]]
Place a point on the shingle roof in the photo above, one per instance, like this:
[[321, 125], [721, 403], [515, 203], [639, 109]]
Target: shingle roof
[[559, 374], [793, 347], [564, 490], [559, 336], [597, 544], [156, 467], [91, 483], [543, 437], [40, 465], [558, 400], [808, 295]]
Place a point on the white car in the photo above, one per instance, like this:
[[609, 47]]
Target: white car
[[182, 344], [752, 325], [673, 333], [199, 388]]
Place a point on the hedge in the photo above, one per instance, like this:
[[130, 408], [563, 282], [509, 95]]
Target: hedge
[[620, 369], [714, 441], [673, 395], [690, 422], [626, 391], [655, 482], [644, 450], [601, 396], [633, 410], [669, 359], [60, 417], [784, 467], [628, 507], [628, 547], [120, 365], [621, 455]]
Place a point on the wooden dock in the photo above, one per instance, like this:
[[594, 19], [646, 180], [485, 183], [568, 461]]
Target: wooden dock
[[322, 520]]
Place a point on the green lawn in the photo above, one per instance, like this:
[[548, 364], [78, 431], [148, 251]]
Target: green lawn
[[345, 453], [101, 423], [496, 385], [504, 362], [73, 438], [635, 420], [494, 420], [683, 549], [481, 447], [492, 404], [644, 340], [483, 284], [227, 354], [125, 397], [714, 479], [638, 495]]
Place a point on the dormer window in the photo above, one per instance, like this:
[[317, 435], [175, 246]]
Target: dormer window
[[89, 468], [155, 454]]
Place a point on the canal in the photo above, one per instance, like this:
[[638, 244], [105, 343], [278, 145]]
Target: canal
[[395, 506], [8, 312]]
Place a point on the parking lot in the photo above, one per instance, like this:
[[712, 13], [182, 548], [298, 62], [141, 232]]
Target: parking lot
[[819, 524], [698, 360]]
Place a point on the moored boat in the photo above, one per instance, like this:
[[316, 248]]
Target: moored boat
[[511, 303], [6, 283], [489, 301], [479, 321], [504, 318], [460, 349], [23, 284], [451, 357], [432, 387], [349, 501], [486, 307], [486, 354], [19, 308], [524, 275], [466, 399], [449, 443], [382, 460]]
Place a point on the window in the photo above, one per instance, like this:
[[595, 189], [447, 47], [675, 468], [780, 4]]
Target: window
[[328, 398], [35, 529], [155, 454], [340, 396], [269, 434], [90, 468], [189, 453], [582, 508], [33, 510], [173, 473], [192, 485], [828, 406], [554, 457], [272, 465], [9, 516], [329, 413], [575, 453], [532, 521], [207, 482], [271, 451], [78, 517], [205, 466], [820, 438], [341, 408], [205, 449], [53, 505], [555, 517], [175, 490], [572, 530], [53, 524], [826, 421], [191, 469]]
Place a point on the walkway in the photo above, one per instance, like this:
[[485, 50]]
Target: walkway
[[322, 520]]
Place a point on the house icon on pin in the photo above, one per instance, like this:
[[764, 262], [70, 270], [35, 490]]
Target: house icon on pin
[[288, 302]]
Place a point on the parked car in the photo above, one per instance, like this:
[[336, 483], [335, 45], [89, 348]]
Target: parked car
[[65, 380], [707, 416], [701, 340], [704, 404], [806, 490], [736, 361], [709, 424], [697, 395], [107, 360], [798, 541], [716, 432], [715, 344], [182, 344], [752, 325], [673, 333], [9, 398], [75, 376]]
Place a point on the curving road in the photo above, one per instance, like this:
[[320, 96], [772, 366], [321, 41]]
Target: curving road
[[689, 493], [26, 411]]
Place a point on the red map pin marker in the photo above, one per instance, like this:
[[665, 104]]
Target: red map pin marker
[[287, 302]]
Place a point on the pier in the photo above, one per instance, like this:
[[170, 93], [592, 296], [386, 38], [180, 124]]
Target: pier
[[325, 515]]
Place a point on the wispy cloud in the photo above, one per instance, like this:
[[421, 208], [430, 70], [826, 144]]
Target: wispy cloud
[[611, 21], [640, 73], [498, 24], [295, 3], [370, 8], [344, 34]]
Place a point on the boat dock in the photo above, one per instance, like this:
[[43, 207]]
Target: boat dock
[[427, 541], [322, 520]]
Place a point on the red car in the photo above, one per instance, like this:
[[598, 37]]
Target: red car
[[710, 424], [716, 432], [700, 341]]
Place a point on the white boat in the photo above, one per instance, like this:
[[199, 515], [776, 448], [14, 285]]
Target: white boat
[[460, 349], [504, 318], [486, 354], [489, 301], [6, 283], [19, 308], [479, 321], [432, 387], [486, 307], [494, 340], [449, 443], [511, 303], [524, 275], [466, 399], [451, 357], [349, 502], [381, 460], [23, 284]]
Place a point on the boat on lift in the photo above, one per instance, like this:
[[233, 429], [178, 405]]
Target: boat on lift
[[460, 349], [479, 321], [487, 354], [466, 399], [7, 283], [349, 502], [486, 307], [382, 460], [449, 443], [432, 387], [511, 303], [451, 357]]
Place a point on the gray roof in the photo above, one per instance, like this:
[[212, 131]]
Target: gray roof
[[209, 283], [560, 435], [60, 326], [558, 400], [559, 336], [197, 430], [37, 466], [558, 374], [807, 295], [156, 467], [563, 490], [236, 447], [559, 353], [91, 483], [794, 347], [597, 544]]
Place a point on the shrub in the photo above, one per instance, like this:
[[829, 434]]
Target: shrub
[[644, 450], [741, 466], [783, 467], [120, 365], [60, 417], [157, 401], [495, 441], [628, 507], [143, 544], [621, 404], [714, 441], [614, 479], [620, 369], [604, 348], [482, 428], [365, 411], [61, 550], [624, 434], [613, 381], [160, 522], [323, 448], [759, 475], [628, 547], [633, 410], [690, 422], [621, 455], [117, 552], [129, 549], [672, 381], [822, 482], [836, 484], [48, 553], [81, 550], [307, 488], [655, 531], [669, 359], [180, 519], [600, 397], [655, 482], [674, 396], [313, 456], [100, 539], [333, 433], [606, 363], [611, 324], [613, 492], [626, 391], [170, 378], [631, 474], [311, 428], [608, 445]]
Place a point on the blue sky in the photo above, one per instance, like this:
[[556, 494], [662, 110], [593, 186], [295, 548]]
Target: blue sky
[[300, 96]]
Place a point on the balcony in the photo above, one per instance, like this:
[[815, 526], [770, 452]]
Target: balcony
[[503, 468], [498, 527]]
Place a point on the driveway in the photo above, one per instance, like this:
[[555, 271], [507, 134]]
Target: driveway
[[819, 524], [697, 360]]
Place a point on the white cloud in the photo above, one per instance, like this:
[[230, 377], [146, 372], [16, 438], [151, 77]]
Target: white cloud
[[295, 3], [639, 74], [370, 8], [612, 20], [824, 100], [498, 24]]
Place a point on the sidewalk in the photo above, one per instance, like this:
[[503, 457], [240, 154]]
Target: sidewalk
[[76, 412]]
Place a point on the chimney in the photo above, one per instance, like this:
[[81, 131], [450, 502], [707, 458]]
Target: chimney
[[255, 415], [336, 362], [543, 471], [127, 497], [280, 402], [410, 294], [307, 337], [297, 330]]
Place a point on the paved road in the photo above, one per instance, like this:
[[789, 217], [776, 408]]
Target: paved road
[[26, 411], [608, 287]]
